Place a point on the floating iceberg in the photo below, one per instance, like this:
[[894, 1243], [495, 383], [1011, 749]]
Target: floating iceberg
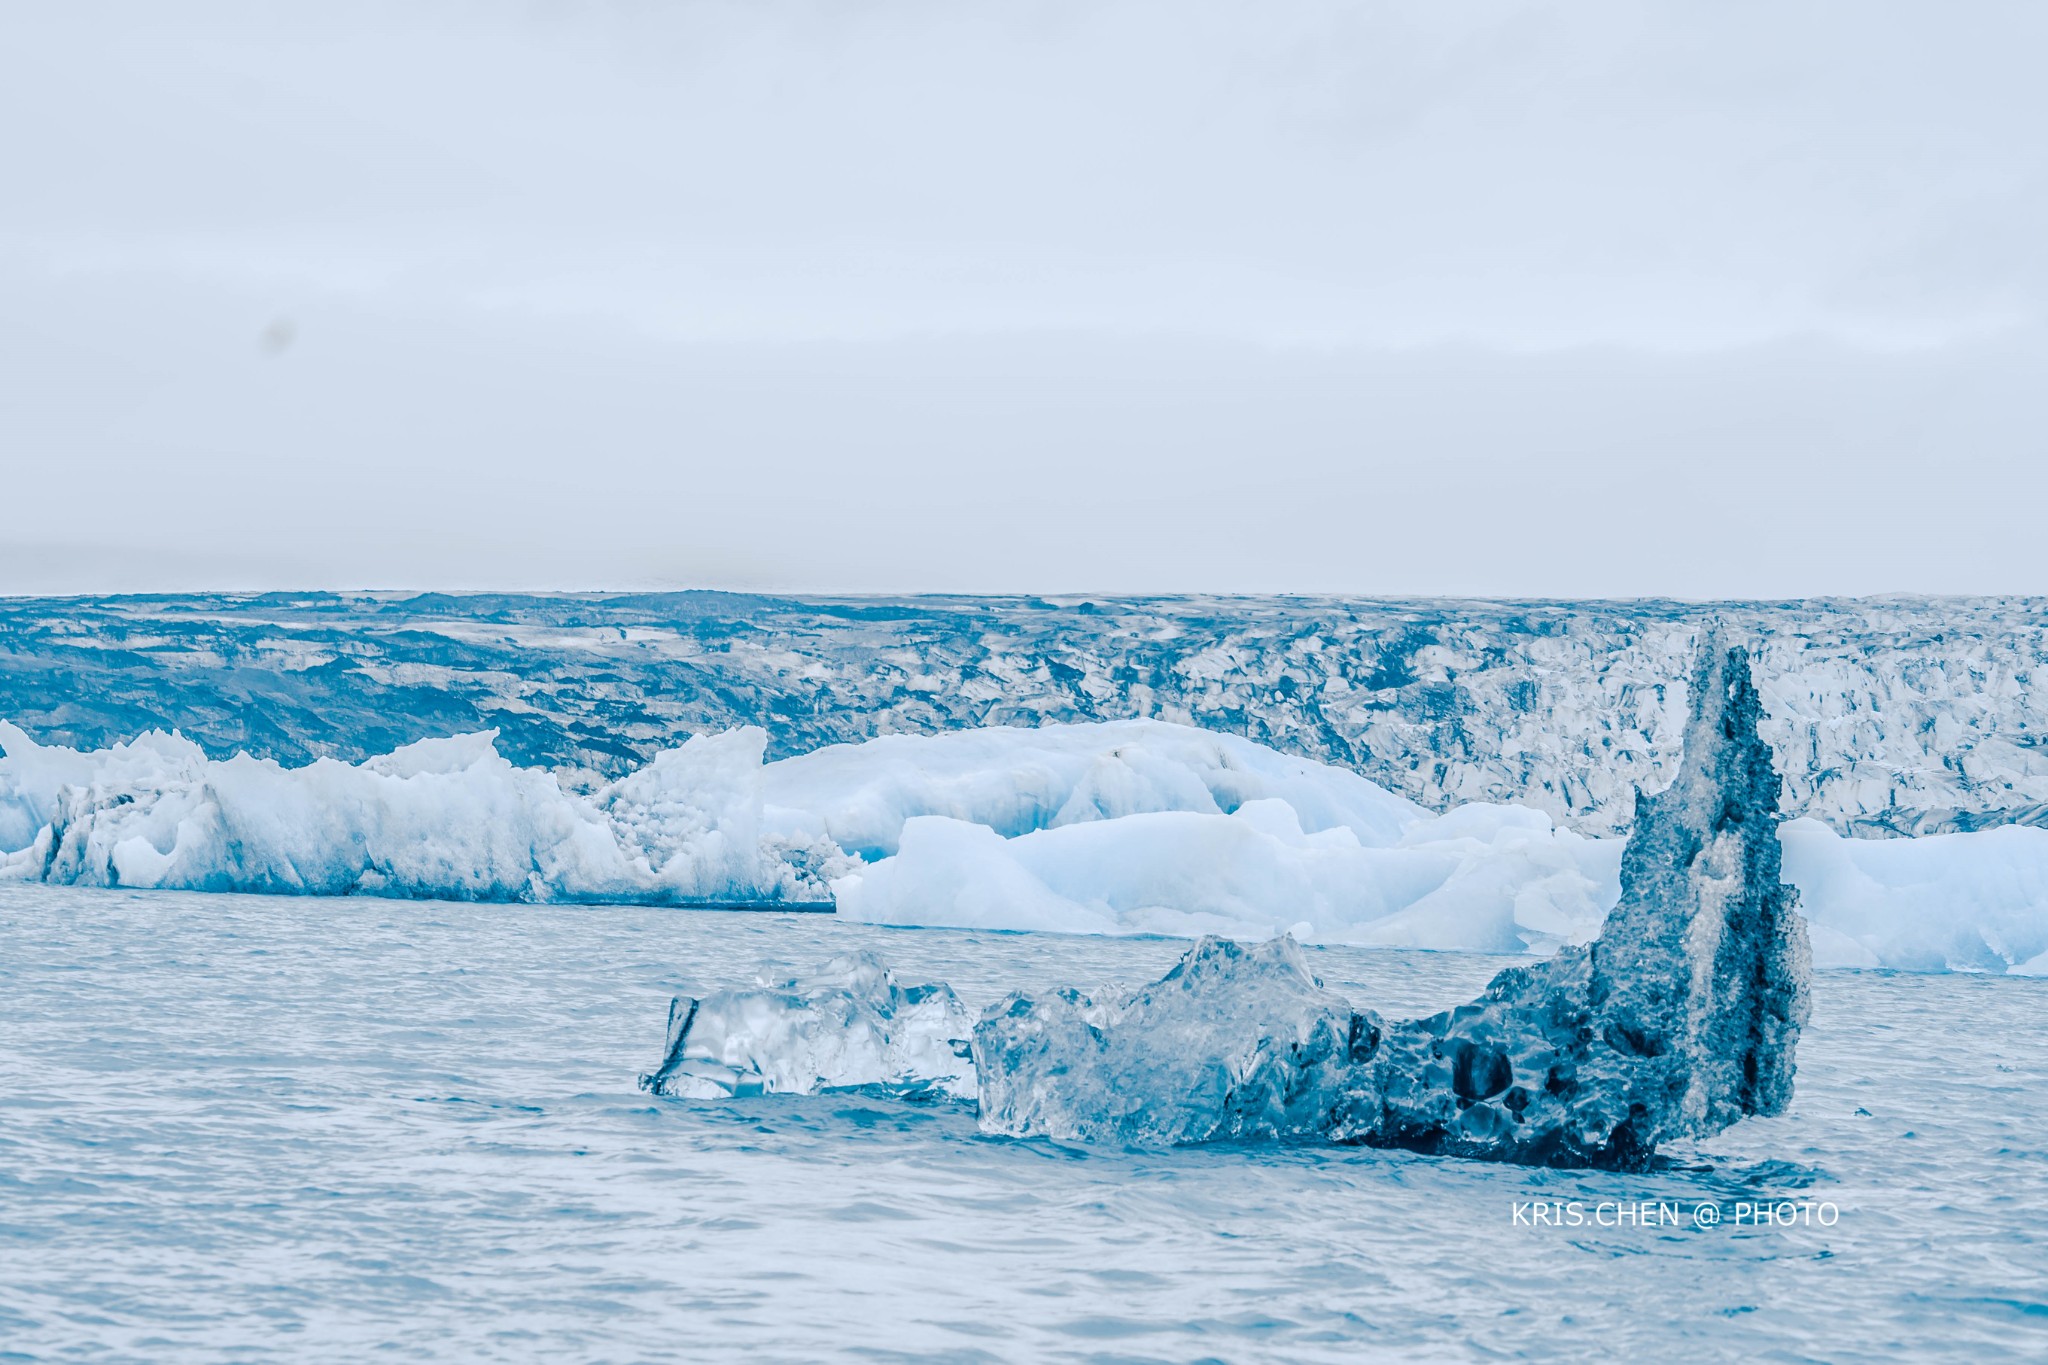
[[1485, 878], [1120, 827], [1234, 1043], [1683, 1017], [1941, 902], [1015, 781], [443, 818], [850, 1026]]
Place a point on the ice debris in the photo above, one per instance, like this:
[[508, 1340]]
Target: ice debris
[[1683, 1017], [1236, 1042], [849, 1026]]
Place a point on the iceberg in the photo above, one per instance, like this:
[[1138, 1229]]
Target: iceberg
[[1483, 878], [443, 818], [1115, 828], [849, 1026], [1235, 1043], [1681, 1018], [1015, 781], [1974, 902]]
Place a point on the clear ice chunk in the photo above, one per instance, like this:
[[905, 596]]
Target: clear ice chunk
[[1235, 1042], [849, 1026]]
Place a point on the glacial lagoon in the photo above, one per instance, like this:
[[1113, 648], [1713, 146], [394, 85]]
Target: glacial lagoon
[[243, 1128]]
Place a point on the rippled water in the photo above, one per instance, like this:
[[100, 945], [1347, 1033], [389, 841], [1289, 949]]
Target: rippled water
[[237, 1128]]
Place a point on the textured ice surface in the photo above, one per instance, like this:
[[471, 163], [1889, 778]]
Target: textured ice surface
[[1234, 1043], [1681, 1018], [1889, 715], [849, 1026]]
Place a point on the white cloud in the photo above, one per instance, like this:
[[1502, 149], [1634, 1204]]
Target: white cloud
[[781, 294]]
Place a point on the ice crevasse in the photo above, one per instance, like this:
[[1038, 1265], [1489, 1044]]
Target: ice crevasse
[[1117, 827]]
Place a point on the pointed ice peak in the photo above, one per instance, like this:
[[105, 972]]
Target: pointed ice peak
[[1702, 965]]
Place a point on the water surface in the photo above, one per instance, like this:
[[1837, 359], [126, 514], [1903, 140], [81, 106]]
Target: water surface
[[248, 1128]]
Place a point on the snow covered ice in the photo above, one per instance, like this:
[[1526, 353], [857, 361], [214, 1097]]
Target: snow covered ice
[[1681, 1018]]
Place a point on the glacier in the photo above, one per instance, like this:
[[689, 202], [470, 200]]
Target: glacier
[[1112, 827], [1682, 1017], [1889, 715]]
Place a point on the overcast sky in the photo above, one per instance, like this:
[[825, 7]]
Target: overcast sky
[[1512, 299]]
